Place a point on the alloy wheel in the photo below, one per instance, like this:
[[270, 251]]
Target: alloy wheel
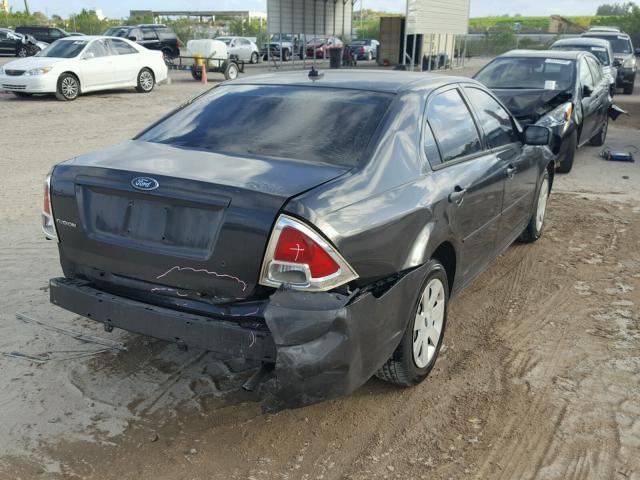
[[428, 323], [69, 87], [146, 80]]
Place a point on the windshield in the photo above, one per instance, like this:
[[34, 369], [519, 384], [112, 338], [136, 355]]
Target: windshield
[[116, 32], [600, 52], [298, 123], [63, 49], [619, 44], [528, 73], [285, 37]]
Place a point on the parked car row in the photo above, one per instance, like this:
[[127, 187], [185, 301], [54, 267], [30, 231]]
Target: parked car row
[[80, 64], [312, 46], [152, 36]]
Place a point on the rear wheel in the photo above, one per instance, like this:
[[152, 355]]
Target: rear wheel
[[568, 152], [167, 57], [369, 56], [599, 139], [22, 51], [536, 223], [286, 55], [416, 355], [146, 81], [68, 87], [196, 72], [254, 57]]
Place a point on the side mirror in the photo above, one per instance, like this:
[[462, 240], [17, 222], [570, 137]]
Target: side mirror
[[133, 38], [88, 55], [587, 91], [618, 63], [537, 135]]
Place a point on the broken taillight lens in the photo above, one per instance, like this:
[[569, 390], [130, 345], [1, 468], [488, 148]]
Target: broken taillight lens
[[299, 257], [48, 224]]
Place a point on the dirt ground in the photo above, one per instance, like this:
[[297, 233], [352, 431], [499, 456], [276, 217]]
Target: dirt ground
[[539, 375]]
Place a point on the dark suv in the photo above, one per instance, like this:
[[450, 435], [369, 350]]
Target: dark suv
[[12, 43], [153, 37], [43, 34], [623, 52]]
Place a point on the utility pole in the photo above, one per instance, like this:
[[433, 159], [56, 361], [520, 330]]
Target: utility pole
[[361, 13], [26, 7]]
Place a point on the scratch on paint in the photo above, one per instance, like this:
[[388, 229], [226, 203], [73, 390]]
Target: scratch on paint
[[202, 270], [164, 289], [253, 339], [255, 312]]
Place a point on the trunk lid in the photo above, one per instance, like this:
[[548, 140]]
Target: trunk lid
[[177, 222]]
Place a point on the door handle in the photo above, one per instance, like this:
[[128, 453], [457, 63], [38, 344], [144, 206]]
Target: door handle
[[511, 171], [457, 196]]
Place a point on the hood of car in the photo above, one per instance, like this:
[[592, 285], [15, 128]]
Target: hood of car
[[528, 106], [33, 62]]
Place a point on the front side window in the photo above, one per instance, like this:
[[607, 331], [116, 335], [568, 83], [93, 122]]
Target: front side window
[[586, 80], [453, 126], [495, 120], [148, 34], [55, 33], [98, 49], [120, 47], [528, 73], [310, 124]]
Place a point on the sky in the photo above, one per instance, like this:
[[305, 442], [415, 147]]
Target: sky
[[120, 8]]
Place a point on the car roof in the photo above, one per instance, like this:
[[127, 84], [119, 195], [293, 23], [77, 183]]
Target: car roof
[[586, 41], [369, 80], [557, 54], [604, 33]]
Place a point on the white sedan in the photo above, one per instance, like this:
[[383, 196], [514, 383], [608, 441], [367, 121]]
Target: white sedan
[[243, 48], [74, 65]]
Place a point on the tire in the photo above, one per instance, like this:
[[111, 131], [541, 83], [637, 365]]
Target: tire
[[146, 81], [68, 87], [23, 94], [601, 137], [22, 52], [286, 56], [568, 151], [196, 73], [628, 89], [166, 56], [417, 353], [231, 71], [369, 56], [254, 57], [534, 229]]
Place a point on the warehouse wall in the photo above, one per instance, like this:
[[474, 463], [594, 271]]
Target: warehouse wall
[[322, 17]]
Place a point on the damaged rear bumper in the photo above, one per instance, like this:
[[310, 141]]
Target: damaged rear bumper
[[323, 345]]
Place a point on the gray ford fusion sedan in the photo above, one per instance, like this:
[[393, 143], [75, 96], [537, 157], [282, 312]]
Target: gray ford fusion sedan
[[318, 224]]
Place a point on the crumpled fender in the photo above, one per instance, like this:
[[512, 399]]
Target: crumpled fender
[[329, 344]]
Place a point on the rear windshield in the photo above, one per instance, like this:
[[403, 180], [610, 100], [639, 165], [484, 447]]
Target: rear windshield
[[529, 73], [619, 44], [600, 52], [299, 123]]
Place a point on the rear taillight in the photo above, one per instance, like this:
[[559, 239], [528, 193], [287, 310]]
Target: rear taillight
[[361, 49], [48, 224], [300, 258]]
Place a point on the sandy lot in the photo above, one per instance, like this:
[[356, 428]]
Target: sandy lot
[[539, 376]]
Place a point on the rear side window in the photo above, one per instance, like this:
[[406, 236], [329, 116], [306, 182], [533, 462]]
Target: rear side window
[[298, 123], [495, 120], [453, 127]]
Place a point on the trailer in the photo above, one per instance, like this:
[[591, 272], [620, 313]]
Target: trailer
[[212, 56]]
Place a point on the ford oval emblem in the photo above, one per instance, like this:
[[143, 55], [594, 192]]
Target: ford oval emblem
[[144, 183]]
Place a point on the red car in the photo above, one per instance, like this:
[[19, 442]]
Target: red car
[[321, 46]]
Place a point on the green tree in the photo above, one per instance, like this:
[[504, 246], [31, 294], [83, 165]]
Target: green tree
[[615, 9]]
